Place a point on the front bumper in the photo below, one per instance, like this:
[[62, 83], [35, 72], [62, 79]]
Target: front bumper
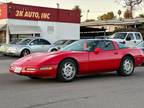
[[36, 73]]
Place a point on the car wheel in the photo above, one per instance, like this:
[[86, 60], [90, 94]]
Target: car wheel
[[53, 50], [126, 67], [67, 70], [25, 53]]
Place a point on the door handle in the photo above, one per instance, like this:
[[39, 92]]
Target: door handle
[[115, 53]]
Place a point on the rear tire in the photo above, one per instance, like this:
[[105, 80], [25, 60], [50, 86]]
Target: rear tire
[[126, 66], [25, 53], [67, 70], [53, 50]]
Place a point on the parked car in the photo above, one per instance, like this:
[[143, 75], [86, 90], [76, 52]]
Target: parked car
[[26, 46], [60, 44], [130, 39], [3, 47], [79, 58]]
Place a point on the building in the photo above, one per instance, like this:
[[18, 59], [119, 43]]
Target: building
[[112, 25], [21, 21]]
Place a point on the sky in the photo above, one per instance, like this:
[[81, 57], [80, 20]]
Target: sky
[[96, 7]]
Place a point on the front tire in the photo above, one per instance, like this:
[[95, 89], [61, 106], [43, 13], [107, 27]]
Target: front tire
[[25, 53], [126, 66], [53, 50], [67, 70]]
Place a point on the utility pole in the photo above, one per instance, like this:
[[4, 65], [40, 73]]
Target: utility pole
[[87, 14]]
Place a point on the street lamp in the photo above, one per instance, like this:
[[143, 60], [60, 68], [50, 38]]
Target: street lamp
[[58, 5], [87, 14]]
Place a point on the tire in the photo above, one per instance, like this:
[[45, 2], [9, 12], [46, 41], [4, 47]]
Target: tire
[[34, 78], [25, 53], [53, 50], [126, 66], [67, 70]]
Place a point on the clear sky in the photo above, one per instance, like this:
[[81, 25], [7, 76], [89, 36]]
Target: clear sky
[[96, 7]]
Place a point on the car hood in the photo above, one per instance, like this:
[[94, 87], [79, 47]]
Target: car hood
[[36, 59]]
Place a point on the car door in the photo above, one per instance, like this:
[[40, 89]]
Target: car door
[[44, 45], [35, 46], [106, 59], [130, 40], [138, 38]]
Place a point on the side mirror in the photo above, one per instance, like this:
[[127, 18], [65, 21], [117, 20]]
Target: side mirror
[[97, 50]]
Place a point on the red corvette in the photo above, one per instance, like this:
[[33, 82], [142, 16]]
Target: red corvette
[[81, 57]]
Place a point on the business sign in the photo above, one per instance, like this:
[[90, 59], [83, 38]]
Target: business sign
[[32, 14], [26, 12]]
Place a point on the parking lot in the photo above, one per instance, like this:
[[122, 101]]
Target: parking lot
[[99, 91]]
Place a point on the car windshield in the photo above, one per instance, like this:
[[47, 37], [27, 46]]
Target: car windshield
[[69, 42], [76, 46], [16, 41], [119, 35], [24, 42], [60, 42]]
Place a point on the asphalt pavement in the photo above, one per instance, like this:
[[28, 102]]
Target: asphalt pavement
[[98, 91]]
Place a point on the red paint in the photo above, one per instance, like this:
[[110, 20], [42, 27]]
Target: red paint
[[89, 62], [27, 12]]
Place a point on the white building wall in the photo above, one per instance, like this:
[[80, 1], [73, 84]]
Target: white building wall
[[52, 31]]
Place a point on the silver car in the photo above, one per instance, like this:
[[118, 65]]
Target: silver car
[[26, 46]]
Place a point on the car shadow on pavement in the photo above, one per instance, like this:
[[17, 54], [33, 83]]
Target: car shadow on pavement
[[26, 80]]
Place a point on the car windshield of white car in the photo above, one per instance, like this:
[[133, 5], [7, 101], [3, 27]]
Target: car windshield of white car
[[119, 35], [24, 42]]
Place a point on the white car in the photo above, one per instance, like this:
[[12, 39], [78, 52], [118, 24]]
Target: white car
[[130, 39]]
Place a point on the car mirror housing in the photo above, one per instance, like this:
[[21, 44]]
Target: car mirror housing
[[97, 50]]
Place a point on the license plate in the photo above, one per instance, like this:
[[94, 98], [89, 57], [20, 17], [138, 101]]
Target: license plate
[[17, 69]]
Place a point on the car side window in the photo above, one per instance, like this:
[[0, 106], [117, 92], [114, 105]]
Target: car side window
[[130, 36], [35, 42], [91, 45], [44, 42], [106, 45], [109, 45], [138, 37]]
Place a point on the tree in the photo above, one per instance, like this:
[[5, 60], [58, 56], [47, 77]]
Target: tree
[[127, 14], [107, 16], [130, 5], [119, 13], [141, 15]]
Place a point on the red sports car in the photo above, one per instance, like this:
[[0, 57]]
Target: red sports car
[[81, 57]]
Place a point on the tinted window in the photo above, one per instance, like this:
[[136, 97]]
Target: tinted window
[[24, 42], [35, 42], [44, 42], [138, 37], [130, 36], [106, 45]]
